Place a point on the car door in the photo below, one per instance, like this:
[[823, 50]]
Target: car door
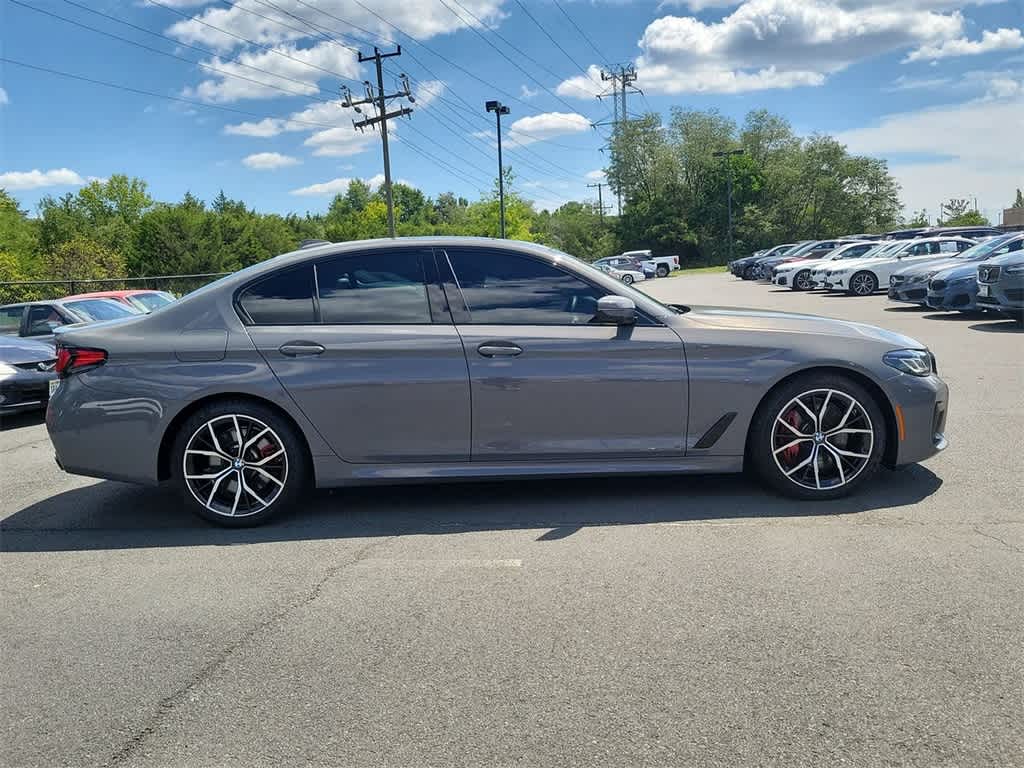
[[364, 345], [550, 383]]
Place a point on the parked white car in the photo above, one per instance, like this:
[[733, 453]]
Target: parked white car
[[797, 274], [880, 251], [862, 277], [628, 276]]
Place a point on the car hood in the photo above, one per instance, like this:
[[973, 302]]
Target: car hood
[[792, 322], [15, 350], [1006, 260], [958, 271], [927, 265], [803, 264]]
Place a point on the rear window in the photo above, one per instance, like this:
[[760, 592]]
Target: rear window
[[283, 298], [99, 309], [10, 319]]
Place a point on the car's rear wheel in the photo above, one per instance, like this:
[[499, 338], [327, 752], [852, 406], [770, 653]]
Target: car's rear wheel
[[238, 463], [802, 280], [661, 271], [819, 436], [863, 284]]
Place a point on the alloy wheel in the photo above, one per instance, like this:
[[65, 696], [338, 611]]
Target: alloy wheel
[[822, 439], [235, 465], [803, 280], [863, 284]]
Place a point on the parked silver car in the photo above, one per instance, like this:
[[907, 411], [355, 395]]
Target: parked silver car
[[462, 358]]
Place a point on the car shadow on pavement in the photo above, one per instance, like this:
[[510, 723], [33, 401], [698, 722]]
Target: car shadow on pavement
[[110, 515], [1000, 326], [962, 317], [26, 419], [908, 308]]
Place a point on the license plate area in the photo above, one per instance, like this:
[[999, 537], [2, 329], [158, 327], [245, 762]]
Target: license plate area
[[983, 290], [54, 384]]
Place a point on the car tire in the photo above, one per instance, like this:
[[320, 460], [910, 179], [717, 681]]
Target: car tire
[[825, 463], [748, 273], [627, 279], [802, 280], [862, 284], [661, 271], [272, 461]]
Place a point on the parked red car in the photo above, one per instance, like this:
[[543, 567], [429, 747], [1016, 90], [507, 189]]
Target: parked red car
[[139, 299]]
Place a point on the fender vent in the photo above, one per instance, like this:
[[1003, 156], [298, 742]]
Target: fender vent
[[710, 437]]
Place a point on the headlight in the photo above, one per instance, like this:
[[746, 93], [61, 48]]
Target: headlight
[[916, 362], [1015, 269], [7, 370]]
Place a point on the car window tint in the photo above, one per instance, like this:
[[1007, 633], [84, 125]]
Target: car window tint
[[151, 301], [42, 320], [505, 288], [10, 319], [284, 298], [380, 287], [949, 246]]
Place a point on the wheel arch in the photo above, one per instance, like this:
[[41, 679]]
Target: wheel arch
[[874, 389], [865, 271], [173, 427]]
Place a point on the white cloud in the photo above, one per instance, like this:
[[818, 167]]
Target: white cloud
[[766, 44], [1002, 39], [340, 186], [428, 91], [580, 87], [265, 128], [35, 179], [527, 130], [4, 99], [342, 141], [972, 143], [269, 161], [421, 19], [526, 92], [297, 71], [597, 175]]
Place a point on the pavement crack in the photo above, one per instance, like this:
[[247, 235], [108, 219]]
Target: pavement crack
[[170, 702], [1006, 544]]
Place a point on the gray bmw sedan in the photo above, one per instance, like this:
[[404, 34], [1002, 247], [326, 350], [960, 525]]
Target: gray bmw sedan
[[460, 358]]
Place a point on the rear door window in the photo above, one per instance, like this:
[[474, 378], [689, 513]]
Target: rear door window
[[42, 319], [377, 288], [10, 319], [283, 298]]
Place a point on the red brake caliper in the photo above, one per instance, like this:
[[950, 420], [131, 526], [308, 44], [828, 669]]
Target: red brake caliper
[[794, 420]]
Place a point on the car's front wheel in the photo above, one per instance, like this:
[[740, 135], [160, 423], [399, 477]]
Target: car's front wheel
[[748, 273], [802, 280], [627, 279], [819, 436], [237, 463], [863, 284]]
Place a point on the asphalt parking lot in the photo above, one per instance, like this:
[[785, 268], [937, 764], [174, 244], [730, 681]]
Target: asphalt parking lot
[[660, 622]]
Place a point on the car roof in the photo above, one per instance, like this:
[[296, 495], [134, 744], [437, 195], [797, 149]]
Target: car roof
[[110, 294]]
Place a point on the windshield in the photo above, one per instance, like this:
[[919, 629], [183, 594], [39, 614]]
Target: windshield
[[994, 247], [99, 309]]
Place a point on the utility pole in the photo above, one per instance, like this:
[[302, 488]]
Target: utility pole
[[380, 100], [621, 80], [728, 186], [499, 109], [600, 200]]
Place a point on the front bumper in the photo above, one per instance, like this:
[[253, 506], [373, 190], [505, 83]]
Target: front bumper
[[959, 296], [910, 293], [25, 391], [782, 279], [1007, 295], [921, 405]]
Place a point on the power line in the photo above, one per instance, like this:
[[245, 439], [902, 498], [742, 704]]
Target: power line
[[145, 47], [555, 42], [504, 55], [600, 56]]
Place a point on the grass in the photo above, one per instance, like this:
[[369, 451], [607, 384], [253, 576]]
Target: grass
[[697, 271]]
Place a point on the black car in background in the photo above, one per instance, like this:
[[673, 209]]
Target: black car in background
[[743, 267], [26, 369]]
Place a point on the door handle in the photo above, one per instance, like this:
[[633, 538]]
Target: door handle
[[499, 349], [301, 349]]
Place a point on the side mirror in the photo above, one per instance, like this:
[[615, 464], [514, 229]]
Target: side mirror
[[616, 309]]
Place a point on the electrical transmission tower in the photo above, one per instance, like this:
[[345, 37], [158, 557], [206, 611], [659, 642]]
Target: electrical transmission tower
[[621, 79], [379, 99]]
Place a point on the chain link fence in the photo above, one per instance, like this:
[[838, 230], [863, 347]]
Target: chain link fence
[[34, 290]]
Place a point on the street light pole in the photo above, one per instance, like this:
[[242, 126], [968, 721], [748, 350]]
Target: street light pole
[[500, 109], [728, 187]]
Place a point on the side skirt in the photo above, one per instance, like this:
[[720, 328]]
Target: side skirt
[[332, 472]]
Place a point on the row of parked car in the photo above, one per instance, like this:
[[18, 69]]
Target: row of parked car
[[963, 269], [28, 359]]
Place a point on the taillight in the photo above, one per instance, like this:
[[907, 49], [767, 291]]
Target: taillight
[[73, 359]]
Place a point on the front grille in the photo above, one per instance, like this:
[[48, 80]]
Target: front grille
[[896, 279], [937, 285], [988, 274], [988, 300]]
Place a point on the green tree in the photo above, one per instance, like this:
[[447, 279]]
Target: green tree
[[919, 219], [1019, 201], [83, 259], [967, 219]]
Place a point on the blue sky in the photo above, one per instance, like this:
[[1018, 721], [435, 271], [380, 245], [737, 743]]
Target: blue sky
[[934, 86]]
